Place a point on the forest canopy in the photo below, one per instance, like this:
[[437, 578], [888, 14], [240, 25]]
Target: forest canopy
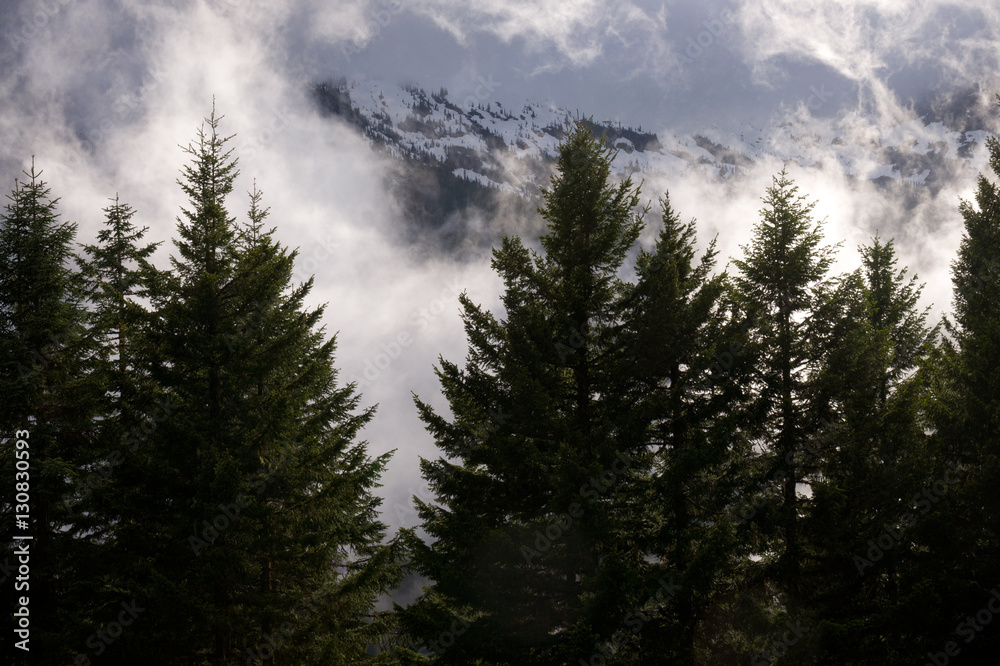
[[644, 460]]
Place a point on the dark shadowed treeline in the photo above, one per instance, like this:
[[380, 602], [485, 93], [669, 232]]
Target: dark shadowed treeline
[[776, 464]]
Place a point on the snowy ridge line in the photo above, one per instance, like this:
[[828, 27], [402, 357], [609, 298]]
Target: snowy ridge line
[[482, 141]]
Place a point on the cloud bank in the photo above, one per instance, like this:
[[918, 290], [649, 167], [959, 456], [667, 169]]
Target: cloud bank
[[101, 92]]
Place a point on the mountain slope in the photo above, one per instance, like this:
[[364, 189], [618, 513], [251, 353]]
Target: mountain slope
[[462, 168]]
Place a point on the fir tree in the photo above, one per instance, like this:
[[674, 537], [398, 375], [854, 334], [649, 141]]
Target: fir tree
[[681, 342], [49, 399], [117, 271], [959, 569], [868, 459], [781, 280], [252, 525], [534, 555]]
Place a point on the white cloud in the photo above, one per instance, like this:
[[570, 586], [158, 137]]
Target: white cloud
[[104, 91], [952, 42], [567, 34], [100, 125]]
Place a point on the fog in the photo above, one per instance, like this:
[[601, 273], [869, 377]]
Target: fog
[[102, 93]]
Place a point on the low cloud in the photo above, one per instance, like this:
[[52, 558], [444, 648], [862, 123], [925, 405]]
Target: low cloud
[[102, 93]]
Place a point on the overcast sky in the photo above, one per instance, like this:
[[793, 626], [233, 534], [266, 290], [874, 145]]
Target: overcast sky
[[101, 92]]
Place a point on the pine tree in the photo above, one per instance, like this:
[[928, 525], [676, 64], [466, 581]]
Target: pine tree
[[47, 393], [117, 271], [252, 525], [976, 335], [113, 277], [781, 279], [686, 357], [959, 568], [868, 458], [534, 558], [322, 502], [114, 269]]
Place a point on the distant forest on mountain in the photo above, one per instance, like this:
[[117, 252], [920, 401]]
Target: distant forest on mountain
[[644, 459]]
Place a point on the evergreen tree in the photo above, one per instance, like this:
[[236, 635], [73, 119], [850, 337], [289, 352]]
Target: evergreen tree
[[868, 460], [49, 399], [976, 336], [534, 556], [960, 564], [686, 356], [117, 271], [251, 526], [780, 284], [318, 534]]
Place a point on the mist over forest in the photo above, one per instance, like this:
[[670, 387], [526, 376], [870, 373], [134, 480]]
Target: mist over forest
[[486, 333]]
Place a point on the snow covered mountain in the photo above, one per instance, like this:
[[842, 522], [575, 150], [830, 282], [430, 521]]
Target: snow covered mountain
[[477, 155]]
